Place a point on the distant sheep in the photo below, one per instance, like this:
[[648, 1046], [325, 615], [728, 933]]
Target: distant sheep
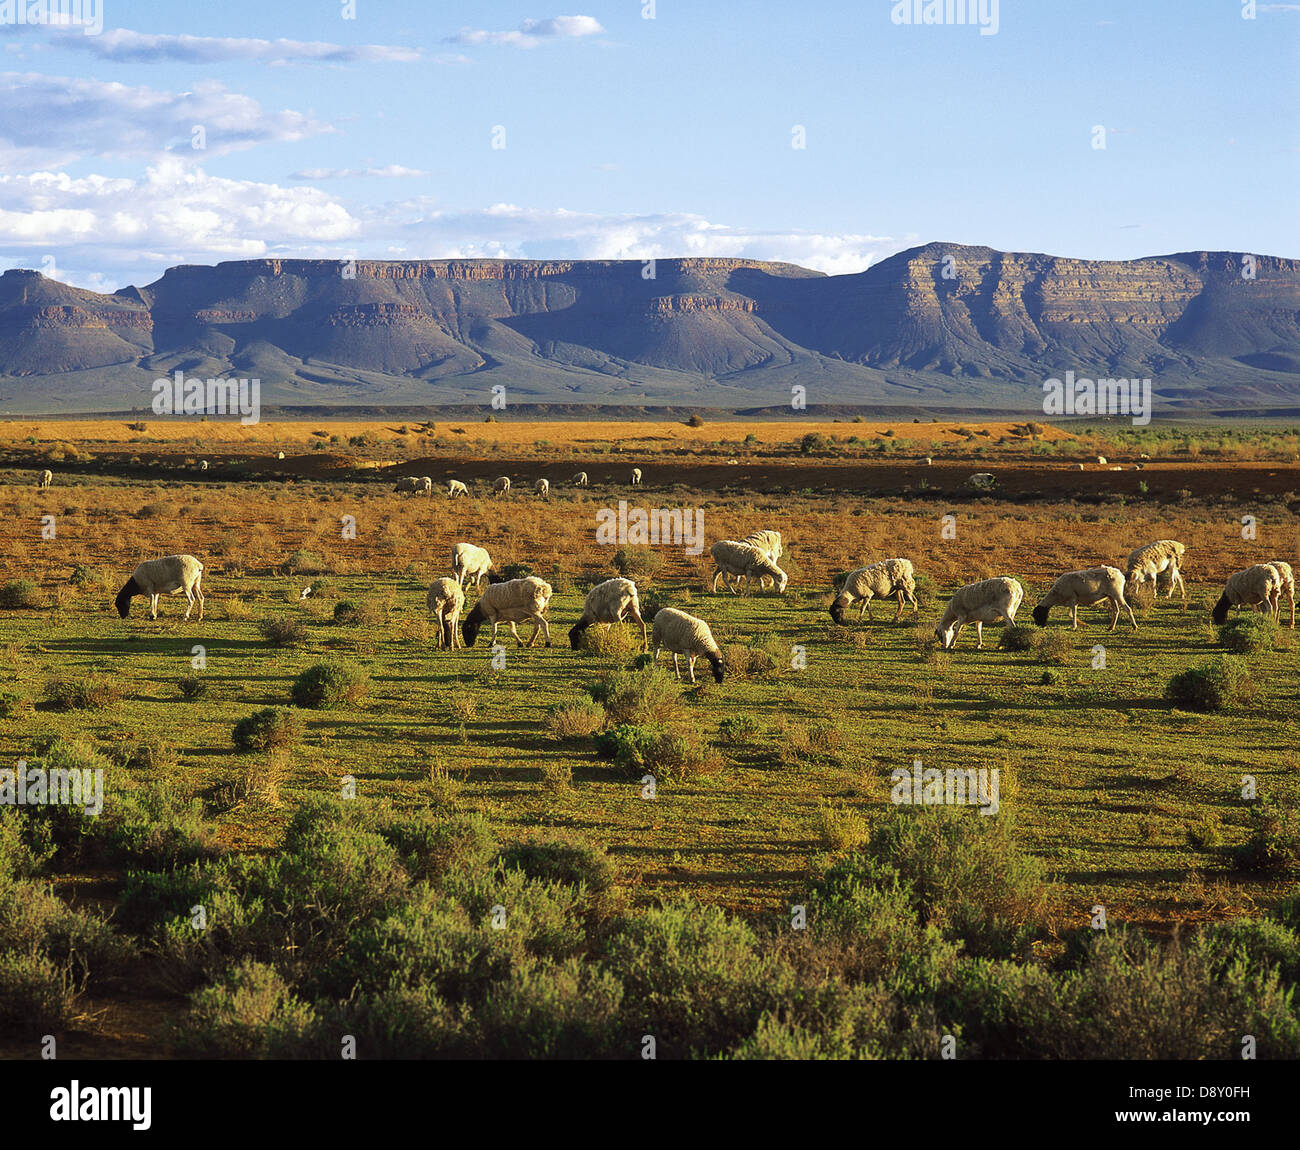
[[470, 562], [1151, 560], [609, 602], [883, 580], [456, 487], [684, 634], [543, 488], [1288, 582], [579, 480], [636, 477], [984, 602], [203, 466], [981, 481], [510, 602], [501, 486], [928, 461], [731, 557], [414, 485], [445, 600], [47, 477], [1260, 584], [1076, 467], [1101, 460], [1085, 588], [169, 575], [279, 455]]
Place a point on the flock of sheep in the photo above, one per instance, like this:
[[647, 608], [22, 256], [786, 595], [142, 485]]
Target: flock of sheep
[[423, 485]]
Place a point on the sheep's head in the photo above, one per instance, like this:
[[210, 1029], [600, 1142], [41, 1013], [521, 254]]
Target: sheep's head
[[782, 581], [575, 635], [124, 596], [837, 611], [1220, 612], [472, 625], [719, 668], [946, 636], [1040, 614]]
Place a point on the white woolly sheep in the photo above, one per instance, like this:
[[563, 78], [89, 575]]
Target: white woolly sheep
[[166, 576], [470, 562], [510, 602], [279, 455], [1076, 466], [414, 485], [981, 481], [731, 557], [47, 477], [684, 634], [1101, 460], [636, 477], [883, 580], [984, 602], [543, 488], [1086, 588], [769, 543], [609, 602], [928, 461], [1151, 560], [1285, 570], [203, 465], [501, 486], [1260, 584], [445, 600], [579, 480], [456, 487]]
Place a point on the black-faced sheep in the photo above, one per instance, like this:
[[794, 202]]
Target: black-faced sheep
[[984, 602], [510, 602], [1260, 584], [884, 580], [169, 575], [684, 634], [1085, 588], [609, 602]]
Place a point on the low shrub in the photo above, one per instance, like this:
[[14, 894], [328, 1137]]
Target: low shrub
[[262, 730], [1249, 634], [330, 686], [250, 1013], [90, 692], [1018, 638], [283, 631], [576, 720], [305, 563], [1273, 847], [637, 562], [1054, 646], [192, 688], [22, 595], [738, 730], [656, 749], [616, 641], [351, 614], [645, 695], [1213, 686]]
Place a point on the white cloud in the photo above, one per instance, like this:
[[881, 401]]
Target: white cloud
[[391, 172], [531, 33], [49, 121]]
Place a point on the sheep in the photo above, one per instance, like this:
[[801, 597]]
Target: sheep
[[414, 485], [984, 602], [928, 461], [543, 488], [47, 477], [769, 543], [734, 558], [1285, 570], [1076, 467], [470, 562], [636, 477], [881, 580], [981, 481], [1151, 560], [456, 487], [501, 486], [510, 602], [445, 600], [203, 465], [166, 576], [1261, 584], [1085, 588], [684, 634], [609, 602], [279, 455], [579, 480], [1101, 461]]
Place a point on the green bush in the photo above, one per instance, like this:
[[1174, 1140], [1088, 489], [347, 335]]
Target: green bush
[[1213, 686], [1054, 646], [1249, 634], [557, 856], [576, 720], [250, 1013], [330, 686], [192, 688], [669, 756], [350, 614], [1273, 847], [646, 695], [516, 571], [283, 631], [637, 562], [273, 727], [305, 563], [738, 730], [1017, 638], [37, 996], [90, 692]]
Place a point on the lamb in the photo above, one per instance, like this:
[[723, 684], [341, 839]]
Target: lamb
[[580, 480], [881, 580], [1085, 588], [167, 576], [609, 602], [734, 558], [47, 477], [684, 634], [470, 562], [981, 481], [1260, 584], [636, 477], [1285, 570], [984, 602], [543, 488], [445, 600], [1152, 560], [510, 602], [456, 487], [501, 486]]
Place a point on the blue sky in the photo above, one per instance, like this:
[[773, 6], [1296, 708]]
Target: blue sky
[[628, 137]]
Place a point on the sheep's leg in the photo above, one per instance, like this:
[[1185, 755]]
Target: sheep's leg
[[153, 606], [645, 638], [1291, 595], [690, 666], [979, 635], [189, 604], [676, 669], [869, 614], [1074, 616], [899, 613], [862, 611]]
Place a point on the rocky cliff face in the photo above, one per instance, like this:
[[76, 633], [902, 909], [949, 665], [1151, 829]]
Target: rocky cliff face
[[941, 320]]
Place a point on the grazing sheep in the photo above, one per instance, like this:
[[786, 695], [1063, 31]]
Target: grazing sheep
[[445, 600], [470, 562], [769, 543], [881, 580], [456, 487], [501, 486], [1076, 466], [543, 488], [609, 602], [1260, 584], [411, 485], [203, 466], [734, 558], [510, 602], [684, 634], [1085, 588], [167, 576], [279, 455], [981, 481], [928, 461], [1101, 460], [47, 477], [579, 480], [636, 477], [1151, 560], [1285, 570], [984, 602]]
